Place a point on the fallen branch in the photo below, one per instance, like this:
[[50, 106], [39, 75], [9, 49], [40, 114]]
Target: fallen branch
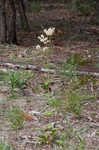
[[37, 68]]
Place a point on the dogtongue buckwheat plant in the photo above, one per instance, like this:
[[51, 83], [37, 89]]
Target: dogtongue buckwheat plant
[[46, 38]]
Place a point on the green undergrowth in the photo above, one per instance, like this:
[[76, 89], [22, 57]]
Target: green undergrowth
[[68, 96], [66, 137], [5, 146]]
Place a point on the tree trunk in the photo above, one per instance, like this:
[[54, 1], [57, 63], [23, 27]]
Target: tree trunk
[[74, 4], [97, 11], [22, 12], [12, 23], [3, 25]]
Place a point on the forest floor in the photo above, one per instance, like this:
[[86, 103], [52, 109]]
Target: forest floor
[[57, 89]]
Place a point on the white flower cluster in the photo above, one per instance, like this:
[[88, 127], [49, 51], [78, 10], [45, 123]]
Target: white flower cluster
[[44, 39], [38, 47], [49, 32]]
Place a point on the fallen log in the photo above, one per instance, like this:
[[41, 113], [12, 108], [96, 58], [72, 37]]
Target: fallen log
[[15, 66]]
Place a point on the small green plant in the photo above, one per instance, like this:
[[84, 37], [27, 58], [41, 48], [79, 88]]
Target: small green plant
[[73, 101], [69, 68], [54, 102], [5, 146], [15, 117], [47, 114], [45, 81], [66, 138], [77, 59], [45, 84], [70, 139], [70, 72], [47, 135], [16, 80], [72, 97], [12, 81]]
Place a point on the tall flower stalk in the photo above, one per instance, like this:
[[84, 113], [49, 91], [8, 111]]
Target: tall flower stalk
[[46, 38]]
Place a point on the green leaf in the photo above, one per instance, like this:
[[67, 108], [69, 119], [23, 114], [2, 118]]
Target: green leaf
[[5, 146], [59, 141]]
